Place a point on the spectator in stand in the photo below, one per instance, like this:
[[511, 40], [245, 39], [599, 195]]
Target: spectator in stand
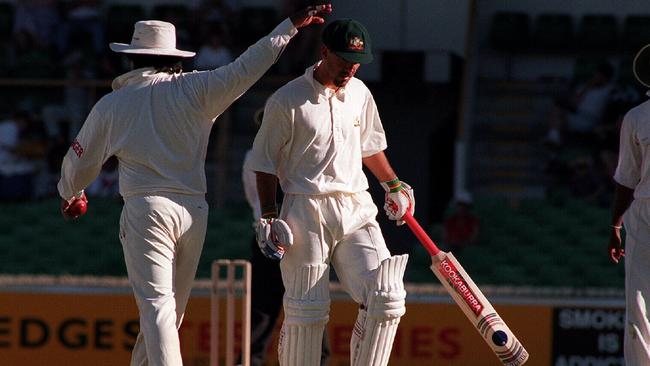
[[39, 18], [76, 99], [29, 60], [211, 13], [461, 228], [82, 22], [19, 158], [213, 53], [585, 180], [580, 112]]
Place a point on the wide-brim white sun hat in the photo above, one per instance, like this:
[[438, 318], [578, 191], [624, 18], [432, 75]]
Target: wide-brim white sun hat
[[152, 37]]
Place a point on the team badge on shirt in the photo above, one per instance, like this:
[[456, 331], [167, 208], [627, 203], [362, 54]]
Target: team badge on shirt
[[356, 121], [355, 44], [77, 148]]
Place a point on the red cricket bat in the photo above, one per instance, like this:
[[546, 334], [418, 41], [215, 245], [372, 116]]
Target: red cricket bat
[[471, 300]]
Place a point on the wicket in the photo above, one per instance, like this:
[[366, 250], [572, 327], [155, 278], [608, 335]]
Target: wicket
[[233, 288]]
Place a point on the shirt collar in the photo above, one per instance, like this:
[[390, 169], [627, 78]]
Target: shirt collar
[[133, 77], [320, 89]]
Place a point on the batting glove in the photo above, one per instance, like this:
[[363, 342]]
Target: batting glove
[[273, 236], [399, 199]]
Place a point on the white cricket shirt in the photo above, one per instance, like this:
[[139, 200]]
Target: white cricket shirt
[[158, 125], [313, 139], [633, 170]]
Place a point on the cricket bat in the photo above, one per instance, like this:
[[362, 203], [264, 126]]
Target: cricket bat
[[471, 300]]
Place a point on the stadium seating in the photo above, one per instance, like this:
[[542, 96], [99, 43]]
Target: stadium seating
[[178, 14], [510, 31], [6, 20], [584, 68], [553, 32], [533, 243], [598, 33], [255, 23], [636, 33], [120, 19]]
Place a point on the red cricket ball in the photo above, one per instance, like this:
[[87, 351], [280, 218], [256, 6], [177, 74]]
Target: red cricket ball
[[77, 208]]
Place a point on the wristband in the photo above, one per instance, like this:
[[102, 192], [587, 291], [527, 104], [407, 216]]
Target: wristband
[[394, 185], [616, 227]]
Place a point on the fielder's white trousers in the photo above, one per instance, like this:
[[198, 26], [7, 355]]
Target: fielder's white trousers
[[339, 228], [162, 237], [637, 283]]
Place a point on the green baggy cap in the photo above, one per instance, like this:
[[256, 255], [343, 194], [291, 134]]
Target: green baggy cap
[[349, 40]]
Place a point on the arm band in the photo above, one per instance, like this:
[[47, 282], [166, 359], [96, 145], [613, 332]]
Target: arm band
[[394, 185]]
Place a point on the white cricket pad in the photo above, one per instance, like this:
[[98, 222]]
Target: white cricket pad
[[306, 312], [376, 325]]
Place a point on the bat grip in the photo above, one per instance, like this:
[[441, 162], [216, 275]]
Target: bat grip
[[422, 236]]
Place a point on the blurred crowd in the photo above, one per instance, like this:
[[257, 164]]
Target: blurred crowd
[[582, 138], [49, 38], [67, 40]]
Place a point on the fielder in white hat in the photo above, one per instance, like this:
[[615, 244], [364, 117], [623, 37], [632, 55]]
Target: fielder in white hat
[[157, 121]]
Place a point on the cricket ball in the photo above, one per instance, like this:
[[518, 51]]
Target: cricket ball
[[78, 208]]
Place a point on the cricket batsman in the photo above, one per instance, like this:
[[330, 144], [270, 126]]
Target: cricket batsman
[[317, 133]]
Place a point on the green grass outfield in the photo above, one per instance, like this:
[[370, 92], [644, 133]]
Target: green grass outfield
[[36, 240], [534, 243]]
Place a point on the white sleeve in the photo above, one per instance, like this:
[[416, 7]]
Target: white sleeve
[[217, 89], [272, 137], [628, 171], [373, 137], [88, 152]]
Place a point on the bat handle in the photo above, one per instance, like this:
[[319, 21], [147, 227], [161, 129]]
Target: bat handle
[[422, 236]]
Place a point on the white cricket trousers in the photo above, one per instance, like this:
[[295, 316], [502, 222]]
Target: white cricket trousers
[[637, 283], [340, 229], [162, 237]]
